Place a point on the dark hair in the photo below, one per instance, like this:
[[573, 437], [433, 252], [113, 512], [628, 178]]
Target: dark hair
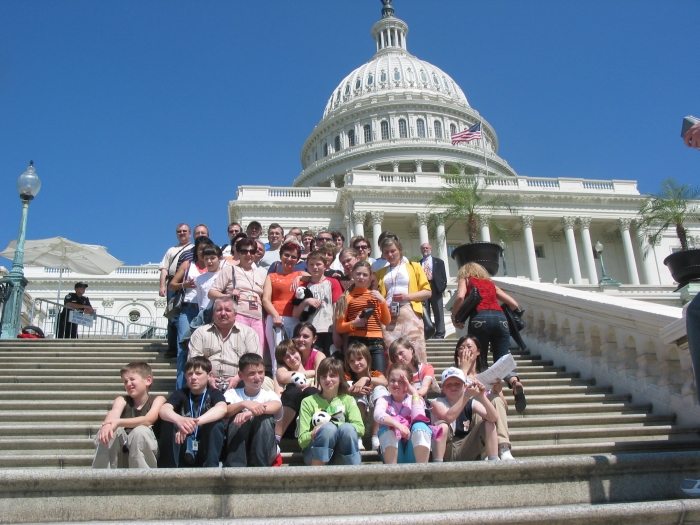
[[360, 349], [198, 363], [283, 348], [330, 364], [249, 359], [197, 242], [393, 350], [317, 254], [348, 251], [403, 368], [388, 241], [478, 347], [254, 224], [250, 243], [291, 246], [335, 234], [298, 328], [384, 235], [275, 226], [140, 367], [211, 249], [362, 264]]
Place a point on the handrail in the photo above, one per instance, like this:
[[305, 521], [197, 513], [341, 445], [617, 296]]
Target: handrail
[[149, 332], [106, 326]]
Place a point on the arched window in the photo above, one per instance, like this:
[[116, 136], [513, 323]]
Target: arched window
[[453, 129], [358, 83], [403, 131], [368, 133], [370, 79], [337, 143], [438, 129], [337, 97], [420, 126], [397, 74], [444, 81], [351, 137], [410, 75], [347, 89], [382, 76], [385, 130], [423, 76], [325, 149], [435, 80]]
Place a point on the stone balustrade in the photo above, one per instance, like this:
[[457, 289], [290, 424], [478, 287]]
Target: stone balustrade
[[613, 339], [268, 193]]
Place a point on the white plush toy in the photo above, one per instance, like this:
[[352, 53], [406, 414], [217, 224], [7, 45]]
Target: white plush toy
[[320, 417], [298, 379]]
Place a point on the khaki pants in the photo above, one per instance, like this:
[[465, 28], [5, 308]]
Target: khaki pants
[[143, 450], [468, 448], [502, 424]]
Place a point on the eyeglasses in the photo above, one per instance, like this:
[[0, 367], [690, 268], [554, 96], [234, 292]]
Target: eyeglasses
[[250, 251], [233, 231], [362, 247], [325, 239], [182, 231]]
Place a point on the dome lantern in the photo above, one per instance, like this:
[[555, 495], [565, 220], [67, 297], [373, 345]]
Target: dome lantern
[[389, 32]]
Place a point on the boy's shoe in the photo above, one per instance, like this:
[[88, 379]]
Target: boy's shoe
[[375, 442], [278, 460], [505, 454], [360, 444], [691, 487], [519, 393], [170, 354]]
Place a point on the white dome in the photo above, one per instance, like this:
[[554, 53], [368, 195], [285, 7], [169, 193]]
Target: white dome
[[394, 69]]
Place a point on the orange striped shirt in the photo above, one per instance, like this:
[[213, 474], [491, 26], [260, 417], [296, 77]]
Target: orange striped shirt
[[359, 299]]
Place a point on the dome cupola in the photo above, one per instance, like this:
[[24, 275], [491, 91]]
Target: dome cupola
[[389, 32]]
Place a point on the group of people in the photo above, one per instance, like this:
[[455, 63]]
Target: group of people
[[345, 340]]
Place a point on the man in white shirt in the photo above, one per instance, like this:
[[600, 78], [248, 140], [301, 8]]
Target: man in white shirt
[[275, 234], [233, 229]]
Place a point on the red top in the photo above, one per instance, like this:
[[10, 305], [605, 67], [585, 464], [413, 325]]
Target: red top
[[281, 293], [487, 290]]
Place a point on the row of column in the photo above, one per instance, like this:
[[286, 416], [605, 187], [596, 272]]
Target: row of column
[[376, 218]]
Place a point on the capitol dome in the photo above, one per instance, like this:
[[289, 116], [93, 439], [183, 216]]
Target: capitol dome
[[396, 113]]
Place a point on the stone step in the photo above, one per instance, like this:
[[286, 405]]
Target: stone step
[[610, 447], [76, 396], [89, 368], [560, 436], [49, 378], [116, 359], [114, 387], [516, 421], [578, 408], [59, 416]]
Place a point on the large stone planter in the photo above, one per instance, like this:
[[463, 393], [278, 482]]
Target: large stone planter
[[684, 266], [487, 254]]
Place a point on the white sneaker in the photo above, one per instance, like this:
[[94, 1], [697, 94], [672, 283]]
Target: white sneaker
[[278, 449], [505, 454], [375, 442], [691, 487], [360, 444]]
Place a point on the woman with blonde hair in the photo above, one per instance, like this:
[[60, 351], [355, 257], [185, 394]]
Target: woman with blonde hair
[[488, 324], [405, 287]]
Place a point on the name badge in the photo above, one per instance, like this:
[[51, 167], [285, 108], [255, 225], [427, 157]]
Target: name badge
[[195, 445], [253, 303]]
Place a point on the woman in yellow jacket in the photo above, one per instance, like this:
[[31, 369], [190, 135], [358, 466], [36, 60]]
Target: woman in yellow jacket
[[405, 286]]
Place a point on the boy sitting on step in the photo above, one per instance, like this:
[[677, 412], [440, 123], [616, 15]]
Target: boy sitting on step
[[253, 411], [126, 436], [192, 432]]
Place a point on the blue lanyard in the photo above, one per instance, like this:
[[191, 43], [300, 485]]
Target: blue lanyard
[[201, 405]]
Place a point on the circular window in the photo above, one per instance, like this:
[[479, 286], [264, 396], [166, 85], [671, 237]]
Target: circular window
[[134, 316]]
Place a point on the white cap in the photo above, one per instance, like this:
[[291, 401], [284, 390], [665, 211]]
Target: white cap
[[453, 372]]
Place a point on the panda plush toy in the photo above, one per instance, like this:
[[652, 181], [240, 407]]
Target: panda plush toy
[[319, 418], [298, 379], [300, 295]]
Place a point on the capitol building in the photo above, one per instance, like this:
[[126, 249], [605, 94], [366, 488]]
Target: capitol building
[[379, 155]]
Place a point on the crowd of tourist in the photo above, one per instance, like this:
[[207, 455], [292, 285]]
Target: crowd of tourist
[[306, 338]]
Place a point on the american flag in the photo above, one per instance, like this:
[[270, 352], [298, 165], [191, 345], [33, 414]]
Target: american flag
[[467, 135]]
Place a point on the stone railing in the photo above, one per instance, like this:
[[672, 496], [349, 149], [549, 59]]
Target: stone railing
[[123, 270], [615, 340], [267, 193]]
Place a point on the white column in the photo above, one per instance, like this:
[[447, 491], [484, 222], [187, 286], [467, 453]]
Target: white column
[[358, 219], [442, 245], [419, 164], [395, 165], [348, 229], [485, 232], [377, 218], [585, 223], [441, 167], [628, 249], [569, 223], [530, 247], [423, 227], [645, 254]]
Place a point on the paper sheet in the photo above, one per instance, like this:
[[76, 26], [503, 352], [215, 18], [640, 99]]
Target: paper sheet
[[500, 369]]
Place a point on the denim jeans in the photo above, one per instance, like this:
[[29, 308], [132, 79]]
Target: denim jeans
[[184, 318], [172, 327], [490, 327], [334, 444], [375, 345], [405, 452], [251, 444], [692, 324], [211, 441]]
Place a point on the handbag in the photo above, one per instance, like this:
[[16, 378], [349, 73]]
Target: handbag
[[174, 306], [428, 326], [471, 301]]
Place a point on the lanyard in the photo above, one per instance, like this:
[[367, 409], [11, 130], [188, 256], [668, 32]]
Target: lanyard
[[201, 405]]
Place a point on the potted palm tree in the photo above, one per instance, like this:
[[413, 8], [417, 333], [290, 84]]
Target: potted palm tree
[[673, 207], [464, 200]]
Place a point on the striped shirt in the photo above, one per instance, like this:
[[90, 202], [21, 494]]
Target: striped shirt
[[359, 299]]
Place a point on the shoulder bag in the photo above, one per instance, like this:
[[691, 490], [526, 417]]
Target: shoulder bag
[[174, 306], [428, 326], [471, 301]]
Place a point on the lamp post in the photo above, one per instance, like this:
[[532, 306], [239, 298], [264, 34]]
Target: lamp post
[[13, 285], [503, 256], [605, 281]]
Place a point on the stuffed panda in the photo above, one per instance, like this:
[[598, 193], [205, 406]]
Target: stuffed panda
[[300, 295], [298, 379], [320, 417]]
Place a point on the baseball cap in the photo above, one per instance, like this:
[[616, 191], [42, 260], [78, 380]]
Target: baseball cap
[[453, 372], [80, 284]]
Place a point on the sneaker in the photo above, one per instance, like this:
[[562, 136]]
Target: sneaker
[[691, 487], [360, 444], [277, 462], [505, 455], [375, 442], [278, 449]]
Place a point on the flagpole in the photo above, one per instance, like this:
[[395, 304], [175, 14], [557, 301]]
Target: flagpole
[[483, 143]]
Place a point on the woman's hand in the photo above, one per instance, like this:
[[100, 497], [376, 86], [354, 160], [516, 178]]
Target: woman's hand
[[378, 296], [496, 387], [235, 293], [359, 322], [189, 283], [404, 430], [409, 386], [460, 326], [315, 430], [277, 322], [401, 298]]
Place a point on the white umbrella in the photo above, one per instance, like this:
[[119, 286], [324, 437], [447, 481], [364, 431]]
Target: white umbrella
[[64, 254]]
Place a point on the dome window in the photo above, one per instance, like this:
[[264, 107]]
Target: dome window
[[397, 74], [438, 129], [134, 316], [420, 126], [382, 76], [453, 129], [347, 89], [403, 131], [385, 130], [351, 137], [409, 75], [423, 76], [337, 97], [435, 80], [370, 79], [325, 150], [337, 143], [368, 133], [447, 86], [358, 83]]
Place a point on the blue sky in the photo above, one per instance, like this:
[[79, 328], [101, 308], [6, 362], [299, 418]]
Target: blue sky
[[140, 115]]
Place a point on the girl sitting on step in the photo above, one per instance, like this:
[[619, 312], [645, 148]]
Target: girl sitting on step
[[422, 375]]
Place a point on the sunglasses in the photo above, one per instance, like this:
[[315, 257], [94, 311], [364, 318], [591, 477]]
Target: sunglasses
[[182, 231], [233, 231], [325, 239], [251, 251], [362, 247]]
